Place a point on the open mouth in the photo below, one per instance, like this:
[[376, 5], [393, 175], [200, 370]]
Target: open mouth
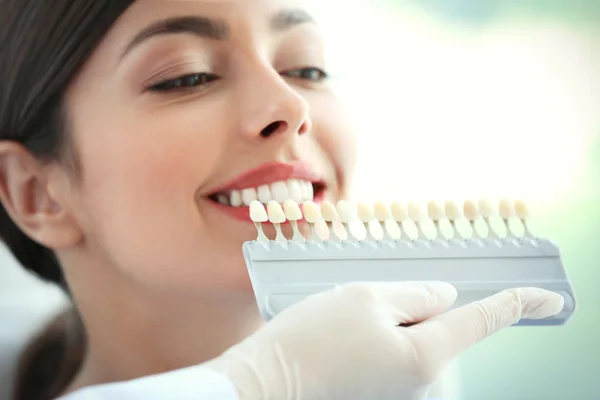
[[298, 190]]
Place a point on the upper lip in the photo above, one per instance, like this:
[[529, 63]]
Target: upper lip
[[269, 173]]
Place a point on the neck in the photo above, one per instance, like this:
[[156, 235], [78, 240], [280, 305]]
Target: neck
[[133, 333]]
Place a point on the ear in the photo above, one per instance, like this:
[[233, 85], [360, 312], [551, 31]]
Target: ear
[[30, 193]]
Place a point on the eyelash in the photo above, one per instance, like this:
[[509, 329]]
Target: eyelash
[[200, 79]]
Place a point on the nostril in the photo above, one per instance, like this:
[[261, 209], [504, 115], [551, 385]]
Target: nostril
[[271, 128]]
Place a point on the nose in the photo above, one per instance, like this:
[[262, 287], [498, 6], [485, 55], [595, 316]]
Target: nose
[[271, 107]]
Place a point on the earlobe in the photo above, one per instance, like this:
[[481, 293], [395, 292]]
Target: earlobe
[[24, 194]]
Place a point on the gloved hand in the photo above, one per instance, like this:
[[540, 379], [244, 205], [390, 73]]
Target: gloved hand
[[346, 343]]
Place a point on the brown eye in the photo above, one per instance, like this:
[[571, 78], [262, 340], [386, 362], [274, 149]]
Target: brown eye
[[183, 82], [310, 74]]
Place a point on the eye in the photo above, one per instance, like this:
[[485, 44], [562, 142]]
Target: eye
[[183, 82], [313, 74]]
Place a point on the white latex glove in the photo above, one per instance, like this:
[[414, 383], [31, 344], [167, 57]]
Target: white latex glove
[[346, 343]]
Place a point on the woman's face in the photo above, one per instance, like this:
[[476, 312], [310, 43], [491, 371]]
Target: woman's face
[[183, 105]]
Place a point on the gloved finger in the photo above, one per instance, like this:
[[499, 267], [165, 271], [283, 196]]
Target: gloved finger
[[412, 302], [465, 326]]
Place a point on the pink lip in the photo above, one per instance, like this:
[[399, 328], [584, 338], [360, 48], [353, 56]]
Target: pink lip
[[270, 173], [263, 175]]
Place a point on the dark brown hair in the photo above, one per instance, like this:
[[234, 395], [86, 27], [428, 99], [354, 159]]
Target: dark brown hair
[[43, 45]]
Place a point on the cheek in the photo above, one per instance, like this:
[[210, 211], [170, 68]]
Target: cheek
[[139, 184], [335, 136]]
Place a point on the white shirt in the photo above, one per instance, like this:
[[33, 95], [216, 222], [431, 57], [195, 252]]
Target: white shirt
[[192, 383]]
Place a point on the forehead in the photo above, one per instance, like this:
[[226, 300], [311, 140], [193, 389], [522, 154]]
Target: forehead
[[246, 12], [241, 17]]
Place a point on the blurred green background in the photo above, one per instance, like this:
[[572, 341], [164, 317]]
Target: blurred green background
[[471, 98]]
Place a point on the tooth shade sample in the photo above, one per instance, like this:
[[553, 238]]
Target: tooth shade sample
[[415, 212], [346, 211], [470, 210], [365, 212], [506, 209], [486, 208], [382, 212], [328, 211], [275, 212], [435, 211], [312, 212], [399, 212], [452, 211], [258, 212], [292, 210], [521, 209]]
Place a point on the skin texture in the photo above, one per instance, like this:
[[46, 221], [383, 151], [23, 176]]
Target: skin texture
[[155, 269]]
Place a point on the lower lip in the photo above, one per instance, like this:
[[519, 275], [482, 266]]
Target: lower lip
[[243, 213]]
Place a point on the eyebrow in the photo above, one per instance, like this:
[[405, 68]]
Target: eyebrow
[[198, 26], [213, 28], [286, 19]]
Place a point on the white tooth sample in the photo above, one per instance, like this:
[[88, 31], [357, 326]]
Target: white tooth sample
[[365, 212], [330, 215], [293, 214], [522, 211], [453, 213], [416, 214], [248, 196], [366, 215], [264, 194], [487, 211], [471, 212], [276, 217], [507, 211], [381, 211], [347, 214], [295, 191], [400, 214], [279, 191], [222, 199], [312, 215], [258, 215], [435, 211], [382, 215], [235, 199]]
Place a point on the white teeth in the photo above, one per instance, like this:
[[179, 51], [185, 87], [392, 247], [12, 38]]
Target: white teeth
[[308, 191], [295, 191], [223, 199], [248, 196], [264, 194], [280, 192], [292, 189], [235, 198]]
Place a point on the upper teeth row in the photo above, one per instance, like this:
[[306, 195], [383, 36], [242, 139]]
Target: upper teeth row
[[297, 190]]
